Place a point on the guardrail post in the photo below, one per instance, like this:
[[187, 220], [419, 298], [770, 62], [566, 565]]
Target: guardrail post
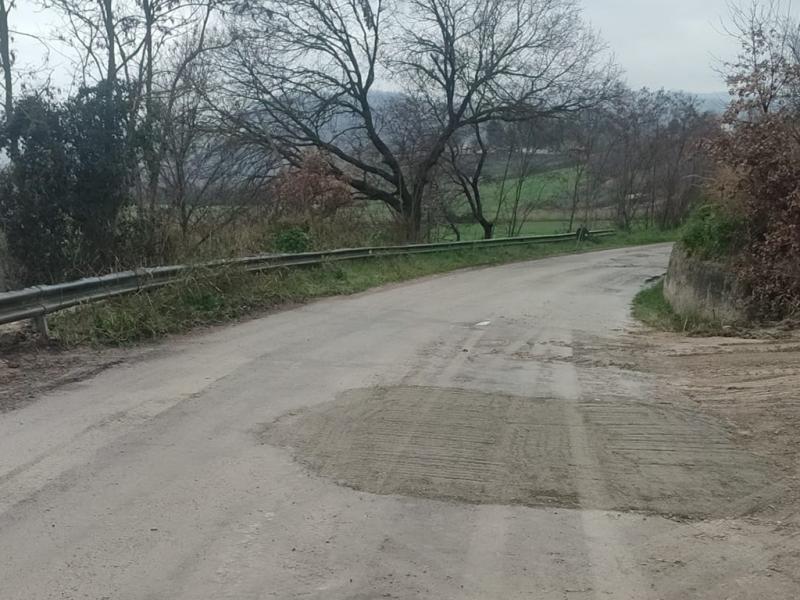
[[40, 324]]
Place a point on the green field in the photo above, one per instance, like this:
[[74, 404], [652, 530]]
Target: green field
[[546, 189], [544, 200]]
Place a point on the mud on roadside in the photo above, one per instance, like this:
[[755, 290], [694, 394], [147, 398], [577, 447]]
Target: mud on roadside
[[30, 368]]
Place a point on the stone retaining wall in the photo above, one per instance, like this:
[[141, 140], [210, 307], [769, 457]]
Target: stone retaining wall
[[703, 288]]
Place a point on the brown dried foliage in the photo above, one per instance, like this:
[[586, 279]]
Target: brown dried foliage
[[310, 193], [760, 154]]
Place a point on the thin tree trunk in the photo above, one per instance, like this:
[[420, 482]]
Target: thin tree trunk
[[575, 198], [151, 159], [5, 57], [111, 58]]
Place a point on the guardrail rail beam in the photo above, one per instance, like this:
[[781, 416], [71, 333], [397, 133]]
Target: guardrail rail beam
[[37, 302]]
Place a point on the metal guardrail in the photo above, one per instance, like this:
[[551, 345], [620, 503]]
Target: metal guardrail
[[37, 302]]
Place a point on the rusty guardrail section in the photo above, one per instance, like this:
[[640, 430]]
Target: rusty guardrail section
[[37, 302]]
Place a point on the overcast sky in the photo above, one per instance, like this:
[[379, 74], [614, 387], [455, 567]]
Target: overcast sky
[[659, 43], [665, 43]]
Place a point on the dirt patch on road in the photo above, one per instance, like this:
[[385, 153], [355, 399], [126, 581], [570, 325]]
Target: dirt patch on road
[[484, 448], [436, 443]]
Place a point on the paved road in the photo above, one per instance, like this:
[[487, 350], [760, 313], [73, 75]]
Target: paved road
[[447, 438]]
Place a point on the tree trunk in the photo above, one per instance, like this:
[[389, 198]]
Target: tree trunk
[[488, 229], [151, 158], [5, 58], [413, 226], [575, 200], [412, 214], [111, 58]]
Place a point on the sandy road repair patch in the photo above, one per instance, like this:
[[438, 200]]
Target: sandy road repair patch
[[483, 448]]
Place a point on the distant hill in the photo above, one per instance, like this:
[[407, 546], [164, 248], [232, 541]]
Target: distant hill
[[715, 102]]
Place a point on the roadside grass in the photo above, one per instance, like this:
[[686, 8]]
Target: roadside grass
[[207, 298], [652, 308]]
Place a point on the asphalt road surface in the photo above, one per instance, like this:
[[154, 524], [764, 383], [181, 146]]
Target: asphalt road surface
[[454, 437]]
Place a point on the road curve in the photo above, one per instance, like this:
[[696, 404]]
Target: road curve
[[445, 438]]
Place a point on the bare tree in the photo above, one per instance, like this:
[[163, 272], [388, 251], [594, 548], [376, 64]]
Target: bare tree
[[514, 206], [644, 148], [95, 38], [205, 175], [306, 73], [127, 41], [166, 23], [466, 162], [583, 146], [769, 38], [470, 153]]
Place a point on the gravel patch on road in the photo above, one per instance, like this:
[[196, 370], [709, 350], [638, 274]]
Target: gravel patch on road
[[483, 448]]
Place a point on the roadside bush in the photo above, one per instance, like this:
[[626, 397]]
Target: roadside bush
[[101, 169], [309, 193], [292, 241], [765, 152], [35, 194], [759, 148], [712, 232], [61, 194]]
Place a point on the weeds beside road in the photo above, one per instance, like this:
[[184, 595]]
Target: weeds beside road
[[208, 297], [652, 308]]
